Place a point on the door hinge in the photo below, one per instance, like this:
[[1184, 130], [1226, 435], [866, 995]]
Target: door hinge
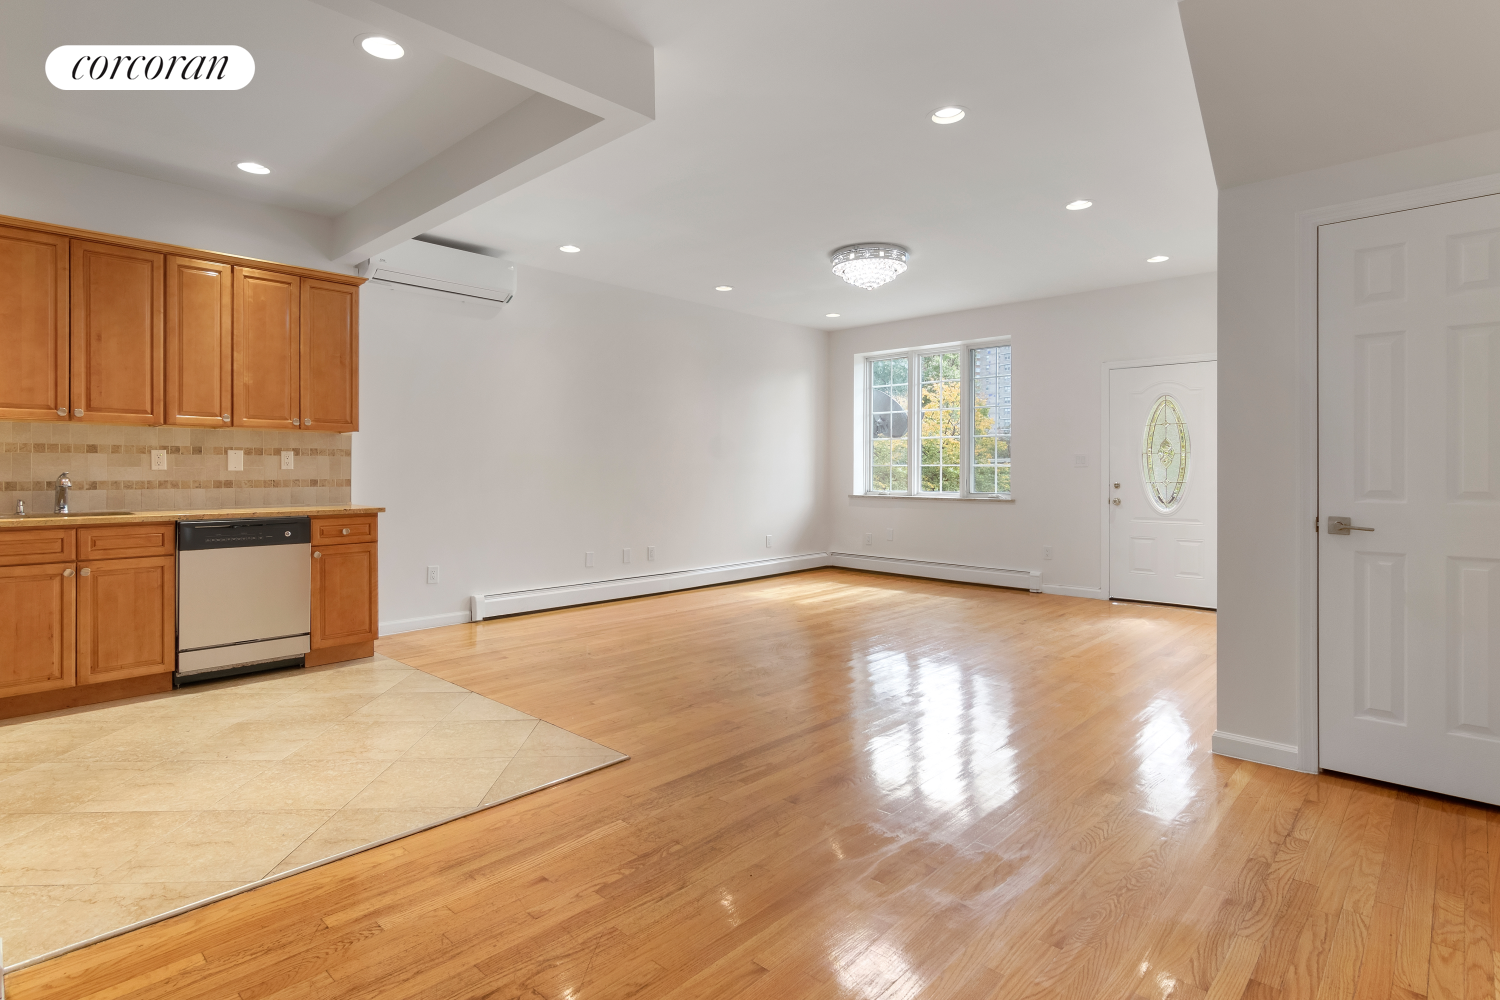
[[1315, 524]]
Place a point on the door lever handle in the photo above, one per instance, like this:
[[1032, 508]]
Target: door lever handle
[[1343, 525]]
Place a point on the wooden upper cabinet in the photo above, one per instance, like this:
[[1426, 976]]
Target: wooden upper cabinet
[[117, 359], [33, 325], [200, 308], [330, 355], [267, 349]]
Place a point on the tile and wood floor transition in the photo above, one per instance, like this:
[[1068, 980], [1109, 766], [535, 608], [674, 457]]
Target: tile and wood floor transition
[[849, 785], [118, 813]]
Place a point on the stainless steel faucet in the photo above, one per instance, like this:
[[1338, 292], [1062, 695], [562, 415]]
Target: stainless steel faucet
[[64, 484]]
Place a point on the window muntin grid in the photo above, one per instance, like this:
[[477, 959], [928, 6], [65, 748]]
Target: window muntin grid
[[942, 416], [889, 425], [1165, 453], [989, 421]]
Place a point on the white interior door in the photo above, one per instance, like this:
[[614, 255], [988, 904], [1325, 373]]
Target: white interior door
[[1164, 484], [1409, 446]]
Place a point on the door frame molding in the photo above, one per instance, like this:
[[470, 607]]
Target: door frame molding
[[1104, 369], [1306, 305]]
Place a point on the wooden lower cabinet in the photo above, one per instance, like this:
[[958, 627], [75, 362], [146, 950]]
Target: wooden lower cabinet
[[127, 614], [38, 605], [345, 595]]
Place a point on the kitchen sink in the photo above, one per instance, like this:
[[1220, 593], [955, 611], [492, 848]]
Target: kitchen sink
[[75, 514]]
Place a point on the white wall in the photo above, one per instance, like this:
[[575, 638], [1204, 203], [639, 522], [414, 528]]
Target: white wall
[[1267, 437], [581, 417], [1057, 348]]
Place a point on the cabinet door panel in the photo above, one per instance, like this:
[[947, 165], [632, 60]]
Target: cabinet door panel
[[126, 618], [330, 355], [37, 546], [127, 541], [34, 318], [345, 602], [37, 606], [117, 359], [267, 349], [200, 304]]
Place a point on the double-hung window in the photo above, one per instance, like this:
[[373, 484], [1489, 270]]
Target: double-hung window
[[937, 422]]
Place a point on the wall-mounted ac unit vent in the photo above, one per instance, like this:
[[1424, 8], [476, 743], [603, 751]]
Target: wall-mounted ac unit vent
[[430, 265]]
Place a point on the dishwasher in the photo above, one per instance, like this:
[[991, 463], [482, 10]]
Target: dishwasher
[[244, 596]]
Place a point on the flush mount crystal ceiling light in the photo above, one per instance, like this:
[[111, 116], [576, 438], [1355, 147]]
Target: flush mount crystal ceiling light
[[869, 265]]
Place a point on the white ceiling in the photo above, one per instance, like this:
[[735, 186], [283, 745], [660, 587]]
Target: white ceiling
[[786, 128], [332, 123], [1289, 85], [783, 130]]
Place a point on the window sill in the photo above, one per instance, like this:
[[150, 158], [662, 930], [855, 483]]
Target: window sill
[[918, 496]]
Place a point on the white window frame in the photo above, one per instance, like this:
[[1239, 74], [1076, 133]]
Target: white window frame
[[864, 419]]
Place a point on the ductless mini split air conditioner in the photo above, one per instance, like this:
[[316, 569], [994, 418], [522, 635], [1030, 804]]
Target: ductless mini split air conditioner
[[443, 269]]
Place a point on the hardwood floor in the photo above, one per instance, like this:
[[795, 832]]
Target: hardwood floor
[[850, 785]]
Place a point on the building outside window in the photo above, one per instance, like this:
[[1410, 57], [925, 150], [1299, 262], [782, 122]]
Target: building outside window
[[937, 422]]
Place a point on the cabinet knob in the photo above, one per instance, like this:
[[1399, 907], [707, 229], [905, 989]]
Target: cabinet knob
[[317, 555], [68, 571], [226, 418], [307, 422], [84, 571], [62, 411], [346, 531], [296, 422], [78, 412]]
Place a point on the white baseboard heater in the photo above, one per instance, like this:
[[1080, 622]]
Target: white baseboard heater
[[1019, 579]]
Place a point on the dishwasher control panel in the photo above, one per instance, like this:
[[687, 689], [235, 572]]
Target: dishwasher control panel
[[250, 533]]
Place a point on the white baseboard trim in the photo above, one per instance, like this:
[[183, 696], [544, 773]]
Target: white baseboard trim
[[518, 602], [416, 624], [1092, 593], [1259, 751], [957, 572]]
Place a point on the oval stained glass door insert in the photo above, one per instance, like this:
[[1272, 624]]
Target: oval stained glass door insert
[[1165, 454]]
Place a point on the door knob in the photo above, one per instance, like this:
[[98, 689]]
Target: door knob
[[1116, 501], [1343, 525]]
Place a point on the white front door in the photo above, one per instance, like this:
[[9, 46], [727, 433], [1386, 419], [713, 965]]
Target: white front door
[[1409, 446], [1164, 484]]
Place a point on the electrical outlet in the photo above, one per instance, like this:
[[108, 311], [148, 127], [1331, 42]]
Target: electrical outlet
[[236, 460], [1080, 461], [890, 534], [625, 556], [869, 538], [432, 571], [588, 560], [1046, 552], [288, 459], [768, 541], [651, 553], [158, 460]]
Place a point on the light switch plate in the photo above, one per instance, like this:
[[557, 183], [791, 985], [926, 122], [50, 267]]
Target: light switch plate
[[1080, 461], [768, 541], [890, 534], [869, 538], [588, 559], [625, 556], [236, 460], [651, 553], [158, 459], [288, 459]]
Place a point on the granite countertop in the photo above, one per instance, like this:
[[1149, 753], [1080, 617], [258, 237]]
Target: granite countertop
[[85, 519]]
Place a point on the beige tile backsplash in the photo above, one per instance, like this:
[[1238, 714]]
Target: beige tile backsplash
[[110, 467]]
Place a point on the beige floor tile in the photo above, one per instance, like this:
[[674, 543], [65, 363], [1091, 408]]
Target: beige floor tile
[[526, 773], [36, 919], [174, 786], [430, 784], [318, 707], [150, 740], [354, 828], [222, 846], [420, 682], [472, 740], [392, 707], [353, 680], [13, 825], [478, 708], [6, 770], [60, 788], [548, 740], [363, 741], [315, 784], [257, 739], [49, 743], [80, 848]]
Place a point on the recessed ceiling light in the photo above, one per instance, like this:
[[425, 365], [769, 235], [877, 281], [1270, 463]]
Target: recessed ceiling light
[[1157, 259], [723, 288], [251, 167], [1079, 205], [570, 248], [831, 316], [947, 116], [380, 47]]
